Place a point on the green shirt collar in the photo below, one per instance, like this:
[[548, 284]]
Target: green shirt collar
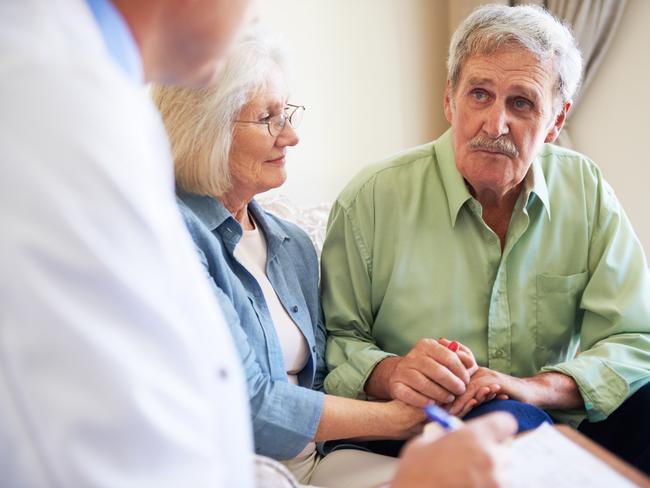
[[456, 189], [452, 181], [538, 185]]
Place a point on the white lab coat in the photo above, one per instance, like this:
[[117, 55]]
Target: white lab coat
[[116, 368]]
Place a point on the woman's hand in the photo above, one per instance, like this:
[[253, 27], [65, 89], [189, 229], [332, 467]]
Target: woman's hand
[[464, 353], [404, 421], [477, 392], [485, 386]]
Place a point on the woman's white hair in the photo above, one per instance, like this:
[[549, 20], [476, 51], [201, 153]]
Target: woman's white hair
[[199, 122], [492, 26]]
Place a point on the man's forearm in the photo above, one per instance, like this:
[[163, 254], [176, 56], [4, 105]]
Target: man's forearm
[[552, 391], [377, 384]]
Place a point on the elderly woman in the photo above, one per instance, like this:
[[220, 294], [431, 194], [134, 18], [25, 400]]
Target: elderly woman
[[229, 144]]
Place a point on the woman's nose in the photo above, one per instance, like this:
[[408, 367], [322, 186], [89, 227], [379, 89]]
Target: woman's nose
[[288, 136]]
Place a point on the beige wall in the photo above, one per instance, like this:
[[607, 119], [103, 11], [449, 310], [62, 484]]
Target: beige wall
[[612, 123], [371, 74]]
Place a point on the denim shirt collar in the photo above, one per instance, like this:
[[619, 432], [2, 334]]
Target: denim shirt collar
[[275, 236], [216, 217]]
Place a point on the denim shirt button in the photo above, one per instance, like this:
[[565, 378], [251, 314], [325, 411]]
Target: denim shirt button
[[294, 309], [313, 348]]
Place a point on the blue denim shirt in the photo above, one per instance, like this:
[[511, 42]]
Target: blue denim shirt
[[285, 416]]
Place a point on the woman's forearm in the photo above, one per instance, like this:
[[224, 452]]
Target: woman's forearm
[[344, 418]]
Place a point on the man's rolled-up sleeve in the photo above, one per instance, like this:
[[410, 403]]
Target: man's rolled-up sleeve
[[614, 361], [352, 353]]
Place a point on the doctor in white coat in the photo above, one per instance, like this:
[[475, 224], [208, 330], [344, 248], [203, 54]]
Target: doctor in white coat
[[116, 369]]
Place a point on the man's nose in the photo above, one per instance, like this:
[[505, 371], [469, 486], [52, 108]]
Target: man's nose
[[496, 121]]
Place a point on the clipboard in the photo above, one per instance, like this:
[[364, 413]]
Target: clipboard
[[614, 462], [561, 457]]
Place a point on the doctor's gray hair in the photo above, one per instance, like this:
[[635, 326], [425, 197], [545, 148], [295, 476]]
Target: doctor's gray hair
[[492, 26], [199, 122]]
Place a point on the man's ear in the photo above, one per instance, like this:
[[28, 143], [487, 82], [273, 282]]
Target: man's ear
[[558, 123], [448, 101]]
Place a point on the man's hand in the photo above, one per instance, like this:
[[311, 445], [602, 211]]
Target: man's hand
[[471, 456], [429, 372]]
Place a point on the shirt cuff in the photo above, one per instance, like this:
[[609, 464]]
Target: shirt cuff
[[288, 420], [349, 379], [602, 389]]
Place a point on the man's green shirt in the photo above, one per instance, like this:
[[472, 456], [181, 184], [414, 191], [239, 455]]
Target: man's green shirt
[[408, 255]]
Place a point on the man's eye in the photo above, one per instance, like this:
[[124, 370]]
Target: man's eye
[[522, 104], [479, 95]]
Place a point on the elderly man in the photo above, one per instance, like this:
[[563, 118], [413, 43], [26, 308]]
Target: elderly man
[[491, 236]]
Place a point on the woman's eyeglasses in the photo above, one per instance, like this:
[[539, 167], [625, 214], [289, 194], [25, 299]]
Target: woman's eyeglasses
[[275, 123]]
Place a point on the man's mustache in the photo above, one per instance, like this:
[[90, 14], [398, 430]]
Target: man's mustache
[[501, 145]]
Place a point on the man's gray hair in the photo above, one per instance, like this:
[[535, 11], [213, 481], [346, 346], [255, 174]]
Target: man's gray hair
[[492, 26], [199, 122]]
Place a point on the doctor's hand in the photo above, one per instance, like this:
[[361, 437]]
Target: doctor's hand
[[429, 372], [474, 455]]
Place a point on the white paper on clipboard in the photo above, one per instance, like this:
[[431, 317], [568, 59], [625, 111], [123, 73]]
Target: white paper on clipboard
[[545, 458]]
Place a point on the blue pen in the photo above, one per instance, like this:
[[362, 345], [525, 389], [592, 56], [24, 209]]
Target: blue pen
[[440, 416]]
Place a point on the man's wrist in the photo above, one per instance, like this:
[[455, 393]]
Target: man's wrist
[[526, 390], [378, 383], [551, 390]]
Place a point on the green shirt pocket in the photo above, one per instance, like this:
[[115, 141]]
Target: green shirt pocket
[[558, 316]]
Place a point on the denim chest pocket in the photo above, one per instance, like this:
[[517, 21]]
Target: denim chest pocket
[[558, 316]]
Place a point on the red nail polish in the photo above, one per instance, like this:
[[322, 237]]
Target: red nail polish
[[453, 346]]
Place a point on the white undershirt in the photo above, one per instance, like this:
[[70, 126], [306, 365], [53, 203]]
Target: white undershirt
[[251, 253]]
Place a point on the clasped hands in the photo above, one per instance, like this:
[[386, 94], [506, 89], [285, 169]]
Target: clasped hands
[[431, 372]]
